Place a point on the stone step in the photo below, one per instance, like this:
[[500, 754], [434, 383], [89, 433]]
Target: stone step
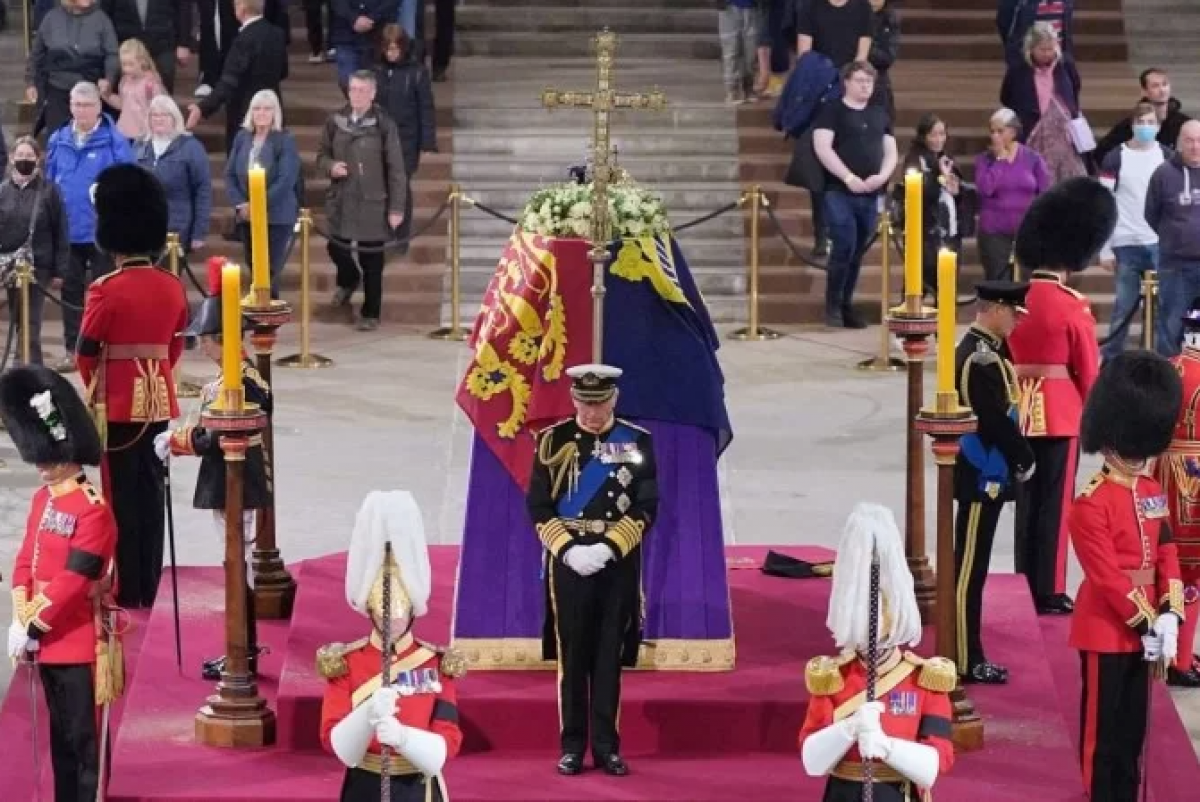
[[681, 199], [979, 21], [502, 44], [731, 225], [571, 144], [649, 170], [583, 5], [632, 19]]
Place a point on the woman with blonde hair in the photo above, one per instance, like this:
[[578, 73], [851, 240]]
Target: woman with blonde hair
[[180, 162], [139, 84], [263, 141]]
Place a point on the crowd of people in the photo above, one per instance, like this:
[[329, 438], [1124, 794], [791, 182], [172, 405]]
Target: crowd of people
[[103, 77]]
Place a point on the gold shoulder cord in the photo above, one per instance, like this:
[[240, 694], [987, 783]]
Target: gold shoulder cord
[[563, 464]]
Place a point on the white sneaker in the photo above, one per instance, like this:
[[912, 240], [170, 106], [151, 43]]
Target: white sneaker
[[316, 58], [331, 54], [203, 90]]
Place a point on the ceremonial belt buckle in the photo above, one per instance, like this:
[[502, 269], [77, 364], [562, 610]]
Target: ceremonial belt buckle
[[1141, 576], [853, 771], [587, 527]]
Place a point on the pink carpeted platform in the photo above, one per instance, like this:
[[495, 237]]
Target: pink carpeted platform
[[694, 737]]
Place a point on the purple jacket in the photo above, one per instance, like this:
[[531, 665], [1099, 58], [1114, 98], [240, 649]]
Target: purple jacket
[[1006, 190]]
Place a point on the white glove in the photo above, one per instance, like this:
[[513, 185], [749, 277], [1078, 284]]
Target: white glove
[[825, 748], [868, 718], [1152, 647], [18, 636], [1027, 475], [1166, 627], [577, 560], [596, 556], [162, 446], [383, 705], [392, 733], [874, 745]]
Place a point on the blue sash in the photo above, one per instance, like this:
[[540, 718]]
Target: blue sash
[[989, 462], [593, 475]]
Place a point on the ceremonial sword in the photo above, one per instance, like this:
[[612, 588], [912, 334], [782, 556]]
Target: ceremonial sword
[[385, 626], [174, 575], [868, 789], [108, 621], [31, 663]]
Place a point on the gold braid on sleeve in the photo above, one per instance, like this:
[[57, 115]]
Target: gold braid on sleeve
[[563, 464]]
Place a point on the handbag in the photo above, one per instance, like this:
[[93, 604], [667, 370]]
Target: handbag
[[9, 261], [1082, 136]]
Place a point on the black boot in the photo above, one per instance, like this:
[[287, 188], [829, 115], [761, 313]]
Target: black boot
[[211, 669]]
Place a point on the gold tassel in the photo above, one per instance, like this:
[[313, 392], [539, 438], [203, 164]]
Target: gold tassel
[[110, 672], [100, 417]]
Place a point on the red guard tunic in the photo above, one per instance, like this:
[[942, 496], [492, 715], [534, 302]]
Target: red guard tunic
[[129, 343], [69, 542], [353, 675], [1130, 570], [1056, 356], [1179, 473], [915, 695]]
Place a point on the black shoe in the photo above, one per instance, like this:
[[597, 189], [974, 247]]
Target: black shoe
[[851, 319], [439, 75], [613, 765], [986, 673], [820, 248], [1184, 679], [570, 764], [341, 297], [1058, 604], [834, 320], [212, 669]]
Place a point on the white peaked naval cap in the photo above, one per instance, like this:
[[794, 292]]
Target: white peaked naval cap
[[389, 517]]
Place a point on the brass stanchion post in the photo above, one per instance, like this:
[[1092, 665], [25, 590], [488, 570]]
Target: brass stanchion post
[[454, 332], [25, 281], [305, 359], [184, 388], [753, 331], [945, 423], [884, 362], [1149, 300]]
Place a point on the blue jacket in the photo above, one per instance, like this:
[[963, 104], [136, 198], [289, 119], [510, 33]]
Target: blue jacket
[[184, 173], [342, 14], [74, 168], [284, 182]]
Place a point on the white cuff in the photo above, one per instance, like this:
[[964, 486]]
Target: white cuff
[[352, 735], [917, 762], [425, 750], [825, 748]]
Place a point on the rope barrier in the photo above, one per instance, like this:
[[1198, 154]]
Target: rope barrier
[[1123, 326], [397, 242], [8, 342]]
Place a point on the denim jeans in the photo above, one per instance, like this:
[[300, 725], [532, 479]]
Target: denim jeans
[[1178, 286], [1132, 263], [350, 58], [407, 16], [851, 220]]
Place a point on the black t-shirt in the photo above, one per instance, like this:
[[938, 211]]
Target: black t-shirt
[[835, 30], [857, 139]]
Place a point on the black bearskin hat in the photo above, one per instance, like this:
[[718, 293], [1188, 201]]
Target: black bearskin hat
[[46, 418], [1066, 227], [1133, 406], [131, 211]]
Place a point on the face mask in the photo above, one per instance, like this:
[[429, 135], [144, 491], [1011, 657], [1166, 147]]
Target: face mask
[[1145, 133], [25, 166]]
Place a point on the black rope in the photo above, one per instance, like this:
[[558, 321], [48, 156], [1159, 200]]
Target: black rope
[[187, 268], [705, 218], [8, 342], [57, 299], [387, 246], [489, 210], [788, 240], [1123, 325]]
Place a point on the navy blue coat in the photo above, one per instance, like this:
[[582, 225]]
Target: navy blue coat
[[1019, 93], [342, 14], [183, 171], [1014, 18], [281, 160]]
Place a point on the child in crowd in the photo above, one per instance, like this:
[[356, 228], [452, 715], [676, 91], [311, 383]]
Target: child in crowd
[[140, 83]]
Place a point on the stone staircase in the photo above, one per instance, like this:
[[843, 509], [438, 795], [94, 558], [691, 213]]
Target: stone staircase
[[1164, 33], [506, 145], [950, 63]]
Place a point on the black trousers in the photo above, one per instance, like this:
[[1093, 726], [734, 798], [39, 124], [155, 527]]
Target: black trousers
[[164, 62], [974, 533], [412, 162], [591, 617], [56, 110], [1040, 536], [363, 786], [995, 252], [314, 21], [443, 33], [86, 264], [213, 52], [1113, 716], [839, 790], [135, 477], [74, 738], [369, 265]]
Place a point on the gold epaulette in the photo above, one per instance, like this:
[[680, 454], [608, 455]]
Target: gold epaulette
[[633, 426], [823, 675], [938, 674], [331, 658], [1095, 482], [451, 661]]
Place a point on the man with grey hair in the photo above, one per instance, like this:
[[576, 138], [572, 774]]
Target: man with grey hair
[[1173, 211], [257, 60], [75, 155], [360, 152]]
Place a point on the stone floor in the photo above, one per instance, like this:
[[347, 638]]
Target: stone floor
[[812, 436]]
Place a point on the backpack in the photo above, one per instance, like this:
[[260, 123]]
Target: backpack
[[814, 82]]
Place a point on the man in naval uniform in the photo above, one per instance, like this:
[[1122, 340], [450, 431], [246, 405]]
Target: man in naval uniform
[[1178, 471], [415, 712], [59, 579], [905, 730], [593, 495], [1130, 605], [192, 439], [990, 461]]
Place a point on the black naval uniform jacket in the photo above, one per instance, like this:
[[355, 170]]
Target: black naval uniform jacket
[[989, 459], [586, 489], [199, 441]]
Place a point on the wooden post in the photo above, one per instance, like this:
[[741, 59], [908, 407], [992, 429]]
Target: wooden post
[[274, 587], [945, 425]]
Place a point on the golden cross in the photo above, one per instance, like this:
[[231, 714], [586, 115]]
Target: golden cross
[[603, 101]]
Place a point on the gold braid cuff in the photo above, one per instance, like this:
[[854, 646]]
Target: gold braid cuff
[[1144, 611], [626, 535], [21, 614], [1172, 601], [554, 536]]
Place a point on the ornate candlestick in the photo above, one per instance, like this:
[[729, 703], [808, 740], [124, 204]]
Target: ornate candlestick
[[945, 423], [914, 323], [235, 716], [274, 587]]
